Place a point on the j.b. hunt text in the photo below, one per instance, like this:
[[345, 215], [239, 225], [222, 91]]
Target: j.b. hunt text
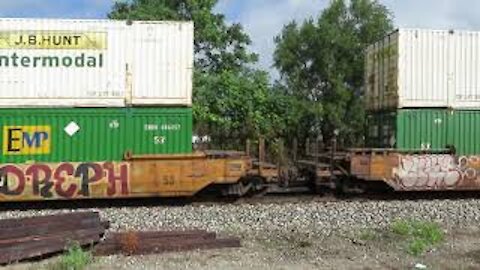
[[48, 40]]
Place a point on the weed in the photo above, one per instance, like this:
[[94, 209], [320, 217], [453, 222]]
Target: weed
[[401, 227], [367, 235], [419, 235], [416, 247], [75, 259]]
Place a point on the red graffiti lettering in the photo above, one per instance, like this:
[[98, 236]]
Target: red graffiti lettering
[[68, 170], [112, 179], [83, 171], [6, 172], [65, 180], [35, 173]]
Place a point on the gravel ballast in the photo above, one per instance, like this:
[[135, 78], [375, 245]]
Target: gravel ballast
[[294, 235], [288, 217]]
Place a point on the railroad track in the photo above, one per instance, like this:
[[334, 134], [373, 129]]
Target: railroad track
[[266, 199], [332, 198]]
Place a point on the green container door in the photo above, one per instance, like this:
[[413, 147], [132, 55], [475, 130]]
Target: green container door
[[464, 132], [160, 131], [408, 129], [86, 134], [423, 129]]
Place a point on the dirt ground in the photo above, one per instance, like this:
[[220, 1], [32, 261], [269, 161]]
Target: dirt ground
[[358, 249]]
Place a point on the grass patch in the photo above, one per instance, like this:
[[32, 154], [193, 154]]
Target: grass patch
[[419, 236], [75, 259], [368, 235]]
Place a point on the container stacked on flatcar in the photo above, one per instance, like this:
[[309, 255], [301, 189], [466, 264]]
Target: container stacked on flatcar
[[423, 91], [93, 90]]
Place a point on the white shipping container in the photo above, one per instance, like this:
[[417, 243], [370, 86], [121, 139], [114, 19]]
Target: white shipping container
[[92, 63], [416, 68]]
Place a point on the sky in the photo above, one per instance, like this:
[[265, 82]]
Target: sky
[[263, 19]]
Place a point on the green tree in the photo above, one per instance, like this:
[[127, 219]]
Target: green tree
[[231, 100], [321, 63], [242, 106]]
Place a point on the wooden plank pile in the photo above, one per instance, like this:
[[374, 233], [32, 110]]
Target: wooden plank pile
[[38, 237], [143, 243], [28, 238]]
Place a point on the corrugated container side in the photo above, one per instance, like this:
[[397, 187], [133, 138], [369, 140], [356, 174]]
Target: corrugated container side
[[159, 53], [408, 129], [161, 131], [423, 129], [428, 69], [86, 134], [382, 73], [464, 73], [99, 63], [423, 68], [464, 129]]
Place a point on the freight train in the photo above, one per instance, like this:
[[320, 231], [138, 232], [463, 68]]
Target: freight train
[[123, 128]]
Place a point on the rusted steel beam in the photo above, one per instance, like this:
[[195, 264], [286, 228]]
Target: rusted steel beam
[[42, 229], [27, 221], [136, 243], [161, 236], [20, 241], [151, 246], [31, 237], [48, 245]]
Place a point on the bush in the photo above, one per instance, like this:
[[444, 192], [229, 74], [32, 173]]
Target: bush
[[420, 235], [75, 259]]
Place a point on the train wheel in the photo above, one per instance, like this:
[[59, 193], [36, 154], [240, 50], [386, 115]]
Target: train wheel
[[236, 190], [344, 186], [258, 187]]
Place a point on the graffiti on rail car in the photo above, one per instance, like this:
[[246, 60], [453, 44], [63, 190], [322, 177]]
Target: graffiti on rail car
[[437, 172], [64, 180]]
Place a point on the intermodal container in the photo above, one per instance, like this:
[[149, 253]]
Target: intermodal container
[[92, 134], [95, 63], [425, 129], [419, 68]]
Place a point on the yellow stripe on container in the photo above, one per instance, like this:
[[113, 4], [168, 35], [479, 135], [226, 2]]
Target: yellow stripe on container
[[52, 40]]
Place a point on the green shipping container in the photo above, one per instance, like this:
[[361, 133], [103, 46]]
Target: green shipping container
[[421, 129], [93, 134]]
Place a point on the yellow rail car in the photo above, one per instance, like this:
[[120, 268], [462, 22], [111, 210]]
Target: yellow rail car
[[135, 177], [417, 172]]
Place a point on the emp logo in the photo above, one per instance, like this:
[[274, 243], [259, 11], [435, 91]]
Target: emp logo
[[26, 140]]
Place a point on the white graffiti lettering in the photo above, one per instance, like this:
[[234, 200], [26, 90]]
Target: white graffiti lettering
[[437, 171]]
